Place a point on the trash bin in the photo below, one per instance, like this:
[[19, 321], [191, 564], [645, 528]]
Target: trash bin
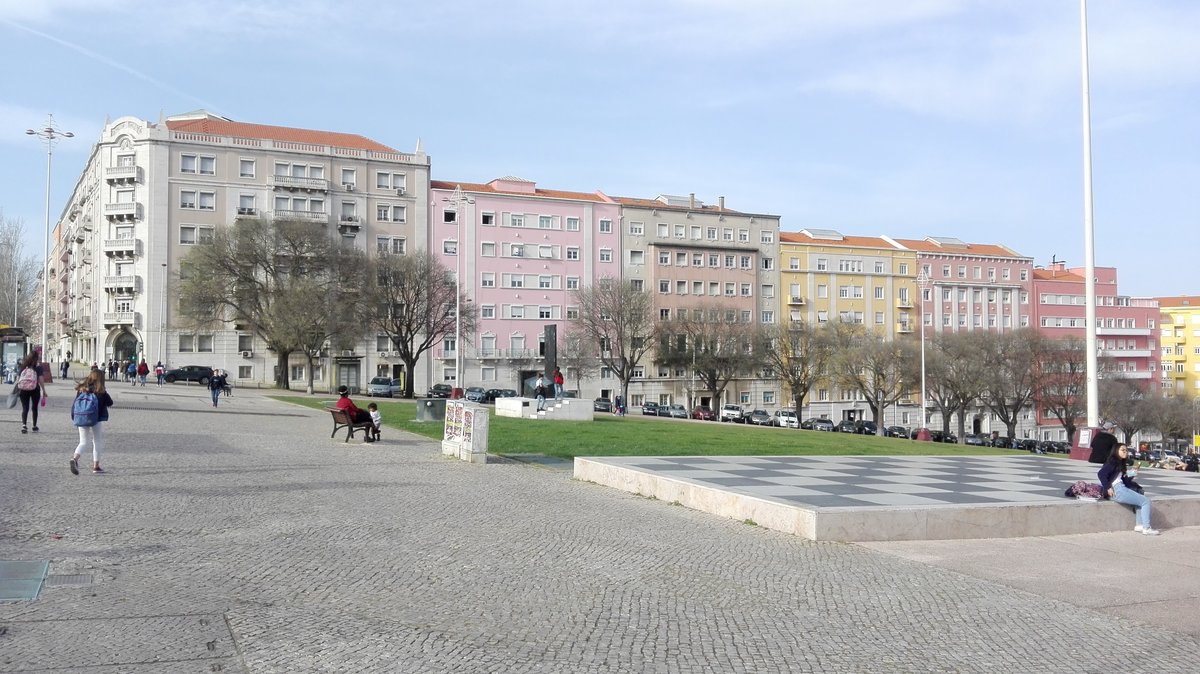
[[431, 409], [456, 394], [924, 435]]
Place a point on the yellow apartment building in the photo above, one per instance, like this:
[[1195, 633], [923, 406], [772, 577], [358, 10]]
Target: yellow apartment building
[[825, 275], [1179, 373]]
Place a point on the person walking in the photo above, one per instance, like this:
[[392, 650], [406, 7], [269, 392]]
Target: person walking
[[539, 391], [159, 372], [1120, 486], [215, 384], [558, 384], [142, 370], [31, 388], [65, 368], [88, 411]]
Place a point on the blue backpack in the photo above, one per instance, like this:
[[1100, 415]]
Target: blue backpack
[[86, 409]]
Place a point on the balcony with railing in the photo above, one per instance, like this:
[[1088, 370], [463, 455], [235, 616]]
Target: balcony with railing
[[904, 327], [127, 210], [303, 216], [121, 174], [129, 282], [904, 302], [796, 299], [123, 246], [300, 183], [348, 222], [113, 319], [1124, 353]]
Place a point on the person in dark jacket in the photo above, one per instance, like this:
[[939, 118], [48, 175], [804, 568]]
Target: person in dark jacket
[[1102, 444], [215, 383], [1116, 483]]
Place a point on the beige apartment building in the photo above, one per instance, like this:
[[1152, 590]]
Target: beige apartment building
[[689, 253], [150, 191]]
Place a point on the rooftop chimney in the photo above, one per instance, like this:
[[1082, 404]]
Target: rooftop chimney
[[691, 199], [721, 203]]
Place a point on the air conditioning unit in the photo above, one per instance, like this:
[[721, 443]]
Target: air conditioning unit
[[400, 191], [394, 354], [349, 186], [383, 354], [247, 354]]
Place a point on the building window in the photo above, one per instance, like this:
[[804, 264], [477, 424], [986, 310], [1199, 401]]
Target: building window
[[768, 317], [246, 168], [822, 264], [572, 224], [487, 249], [487, 311], [450, 247], [572, 283], [606, 254], [744, 236], [711, 233], [572, 253], [187, 199], [487, 219], [605, 226], [636, 228], [545, 222], [487, 279], [664, 287], [637, 257]]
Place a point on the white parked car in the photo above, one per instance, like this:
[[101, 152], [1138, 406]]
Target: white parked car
[[785, 419]]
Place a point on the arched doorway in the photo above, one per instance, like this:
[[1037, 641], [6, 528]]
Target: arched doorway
[[124, 347]]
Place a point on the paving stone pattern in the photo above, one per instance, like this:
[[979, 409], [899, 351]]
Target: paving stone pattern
[[244, 539]]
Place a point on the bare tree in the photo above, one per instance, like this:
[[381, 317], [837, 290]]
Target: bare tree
[[1062, 380], [1171, 416], [868, 362], [18, 275], [259, 273], [709, 340], [1126, 405], [618, 321], [413, 298], [800, 354], [576, 359], [1010, 375], [959, 376]]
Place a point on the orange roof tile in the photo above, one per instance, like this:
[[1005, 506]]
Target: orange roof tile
[[1040, 274], [1179, 302], [224, 127], [985, 249], [854, 241], [538, 192]]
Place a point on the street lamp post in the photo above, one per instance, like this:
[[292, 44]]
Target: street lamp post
[[459, 201], [922, 285], [162, 319], [49, 135]]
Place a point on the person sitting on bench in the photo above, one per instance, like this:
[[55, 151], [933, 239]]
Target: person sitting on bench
[[356, 415]]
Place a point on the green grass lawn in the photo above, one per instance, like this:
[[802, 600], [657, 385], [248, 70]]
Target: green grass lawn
[[608, 435]]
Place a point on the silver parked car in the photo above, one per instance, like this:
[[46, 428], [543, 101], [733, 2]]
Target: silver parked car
[[384, 387]]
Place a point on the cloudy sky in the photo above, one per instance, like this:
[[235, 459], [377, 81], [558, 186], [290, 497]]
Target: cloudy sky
[[909, 118]]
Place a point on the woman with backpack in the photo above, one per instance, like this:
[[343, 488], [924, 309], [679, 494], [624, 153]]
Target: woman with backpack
[[87, 412], [31, 388]]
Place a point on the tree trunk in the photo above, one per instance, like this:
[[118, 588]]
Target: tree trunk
[[281, 363], [410, 366], [308, 355]]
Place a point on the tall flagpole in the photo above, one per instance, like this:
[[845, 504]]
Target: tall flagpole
[[1089, 248]]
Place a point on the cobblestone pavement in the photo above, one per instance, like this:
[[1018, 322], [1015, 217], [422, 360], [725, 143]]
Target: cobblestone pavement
[[243, 539]]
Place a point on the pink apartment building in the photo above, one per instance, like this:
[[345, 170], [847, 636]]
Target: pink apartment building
[[1126, 328], [520, 251]]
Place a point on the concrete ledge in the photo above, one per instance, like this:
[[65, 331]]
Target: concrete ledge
[[894, 522]]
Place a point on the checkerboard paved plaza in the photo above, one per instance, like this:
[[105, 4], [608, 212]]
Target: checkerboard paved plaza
[[245, 540]]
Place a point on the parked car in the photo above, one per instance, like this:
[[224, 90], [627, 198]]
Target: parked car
[[475, 394], [673, 411], [650, 409], [440, 391], [197, 373], [845, 426], [602, 405], [759, 418], [733, 413], [704, 413], [896, 432], [975, 440], [786, 419], [818, 424], [865, 427], [492, 394], [384, 387]]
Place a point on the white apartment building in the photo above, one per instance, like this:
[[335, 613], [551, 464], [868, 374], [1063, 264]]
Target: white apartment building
[[150, 191]]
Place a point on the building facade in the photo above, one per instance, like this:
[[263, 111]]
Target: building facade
[[1126, 328], [690, 254], [1179, 339], [520, 251], [151, 191]]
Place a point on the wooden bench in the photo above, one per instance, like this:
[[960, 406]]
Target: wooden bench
[[342, 420]]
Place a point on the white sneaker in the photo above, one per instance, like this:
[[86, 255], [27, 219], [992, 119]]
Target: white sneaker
[[1137, 528], [1149, 532]]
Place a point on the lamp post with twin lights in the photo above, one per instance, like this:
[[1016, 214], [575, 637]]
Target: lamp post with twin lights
[[458, 201], [922, 286], [49, 135]]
